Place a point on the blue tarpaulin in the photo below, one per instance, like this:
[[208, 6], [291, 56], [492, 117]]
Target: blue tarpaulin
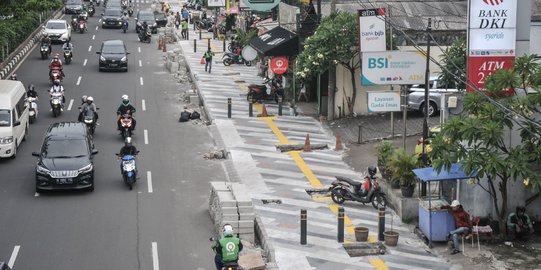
[[430, 174]]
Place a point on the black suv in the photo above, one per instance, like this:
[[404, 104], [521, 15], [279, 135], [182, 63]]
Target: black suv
[[146, 16], [113, 55], [73, 6], [66, 160], [112, 17]]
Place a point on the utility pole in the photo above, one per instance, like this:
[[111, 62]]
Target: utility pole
[[332, 80], [427, 87]]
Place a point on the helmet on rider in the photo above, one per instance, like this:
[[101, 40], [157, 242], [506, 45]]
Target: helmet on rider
[[56, 57], [31, 87], [125, 100], [228, 230], [83, 98], [372, 170], [127, 141], [56, 82], [89, 100], [13, 77]]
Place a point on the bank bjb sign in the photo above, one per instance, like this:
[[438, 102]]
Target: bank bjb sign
[[372, 30], [383, 101]]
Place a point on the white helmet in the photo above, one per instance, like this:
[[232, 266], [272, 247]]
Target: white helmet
[[455, 203], [83, 98], [125, 100], [128, 140], [228, 230], [125, 97], [90, 99]]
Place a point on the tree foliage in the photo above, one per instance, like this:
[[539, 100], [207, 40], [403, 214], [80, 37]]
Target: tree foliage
[[479, 138], [334, 42], [454, 62]]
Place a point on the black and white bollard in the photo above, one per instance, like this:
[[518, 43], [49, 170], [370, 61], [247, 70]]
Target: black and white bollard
[[194, 45], [228, 107], [304, 220], [250, 109], [341, 216], [381, 223], [280, 105]]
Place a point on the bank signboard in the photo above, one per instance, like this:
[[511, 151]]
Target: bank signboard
[[393, 67], [383, 101], [372, 30], [491, 39]]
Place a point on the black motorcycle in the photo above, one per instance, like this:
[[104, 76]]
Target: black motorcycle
[[230, 58], [67, 56], [145, 36], [204, 24], [91, 11], [90, 121], [368, 191], [44, 50]]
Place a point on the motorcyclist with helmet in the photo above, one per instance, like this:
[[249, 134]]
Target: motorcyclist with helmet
[[13, 77], [57, 88], [128, 148], [46, 40], [227, 249], [68, 46], [32, 91], [87, 107], [83, 102], [125, 108], [56, 63]]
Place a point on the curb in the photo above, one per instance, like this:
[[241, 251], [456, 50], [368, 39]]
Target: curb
[[22, 50]]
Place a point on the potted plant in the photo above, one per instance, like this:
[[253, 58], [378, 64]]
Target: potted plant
[[384, 151], [391, 237], [402, 164]]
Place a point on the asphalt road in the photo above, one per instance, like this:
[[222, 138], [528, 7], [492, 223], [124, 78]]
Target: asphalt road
[[163, 223]]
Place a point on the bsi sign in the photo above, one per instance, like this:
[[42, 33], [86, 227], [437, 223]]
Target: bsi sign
[[392, 67], [383, 101]]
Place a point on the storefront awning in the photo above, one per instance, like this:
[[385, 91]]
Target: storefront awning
[[276, 42]]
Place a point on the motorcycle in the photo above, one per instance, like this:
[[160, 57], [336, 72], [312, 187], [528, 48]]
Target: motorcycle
[[124, 26], [205, 24], [91, 11], [32, 109], [82, 26], [56, 74], [74, 22], [367, 191], [233, 45], [98, 2], [271, 90], [67, 56], [126, 125], [130, 11], [230, 58], [145, 36], [44, 50], [124, 4], [56, 103], [129, 170], [90, 121]]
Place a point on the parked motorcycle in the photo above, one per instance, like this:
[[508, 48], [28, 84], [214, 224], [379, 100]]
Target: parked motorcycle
[[126, 125], [145, 36], [366, 191], [124, 26], [32, 109], [44, 50], [56, 103], [230, 58], [129, 169], [233, 45], [204, 24], [67, 56], [271, 90], [56, 74]]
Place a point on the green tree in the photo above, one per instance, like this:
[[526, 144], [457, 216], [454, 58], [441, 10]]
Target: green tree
[[454, 63], [479, 138], [334, 42]]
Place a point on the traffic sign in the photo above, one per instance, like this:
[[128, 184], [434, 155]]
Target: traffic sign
[[279, 65]]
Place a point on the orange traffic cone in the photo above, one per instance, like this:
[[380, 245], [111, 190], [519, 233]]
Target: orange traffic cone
[[339, 146], [307, 147], [264, 111]]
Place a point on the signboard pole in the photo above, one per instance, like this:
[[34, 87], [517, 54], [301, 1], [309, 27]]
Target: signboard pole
[[427, 87]]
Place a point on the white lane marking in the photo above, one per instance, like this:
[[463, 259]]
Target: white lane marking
[[79, 80], [139, 49], [16, 251], [90, 48], [149, 180], [93, 36], [99, 20], [140, 63], [143, 105], [84, 63], [36, 194], [71, 104], [141, 80], [97, 28], [155, 261], [145, 134]]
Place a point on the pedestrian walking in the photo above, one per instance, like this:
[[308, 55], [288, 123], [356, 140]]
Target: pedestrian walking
[[184, 32], [208, 59], [177, 20]]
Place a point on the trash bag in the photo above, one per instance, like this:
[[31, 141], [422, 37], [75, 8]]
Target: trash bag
[[202, 60], [184, 116], [195, 115]]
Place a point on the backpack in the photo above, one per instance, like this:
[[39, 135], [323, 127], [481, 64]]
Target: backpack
[[195, 115], [184, 116]]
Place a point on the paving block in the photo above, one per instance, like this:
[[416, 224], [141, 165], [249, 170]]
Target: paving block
[[219, 186], [252, 261], [246, 224], [246, 209], [247, 216], [244, 202], [230, 210]]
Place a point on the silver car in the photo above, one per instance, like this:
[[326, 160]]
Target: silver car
[[416, 96], [58, 30]]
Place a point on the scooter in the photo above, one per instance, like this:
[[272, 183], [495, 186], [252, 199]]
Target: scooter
[[82, 26], [56, 74], [67, 56], [98, 2], [367, 191], [90, 121], [56, 103], [44, 50], [126, 125], [91, 10], [129, 170], [124, 26], [32, 109], [230, 58], [271, 90], [130, 11], [145, 36]]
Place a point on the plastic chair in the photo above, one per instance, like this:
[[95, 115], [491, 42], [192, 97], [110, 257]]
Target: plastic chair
[[477, 230]]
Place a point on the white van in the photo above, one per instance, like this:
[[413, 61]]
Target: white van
[[13, 117]]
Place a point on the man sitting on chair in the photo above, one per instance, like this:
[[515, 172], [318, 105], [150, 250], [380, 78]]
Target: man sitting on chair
[[463, 223]]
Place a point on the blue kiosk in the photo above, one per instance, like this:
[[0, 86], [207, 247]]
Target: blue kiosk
[[433, 222]]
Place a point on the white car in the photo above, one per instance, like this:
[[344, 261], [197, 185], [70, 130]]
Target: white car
[[416, 96], [58, 30]]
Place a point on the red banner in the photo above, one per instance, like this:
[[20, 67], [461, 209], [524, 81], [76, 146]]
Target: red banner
[[480, 67]]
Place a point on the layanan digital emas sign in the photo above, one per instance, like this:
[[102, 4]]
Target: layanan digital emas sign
[[491, 39]]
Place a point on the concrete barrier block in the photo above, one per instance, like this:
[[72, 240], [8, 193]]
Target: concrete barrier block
[[252, 261], [246, 224], [246, 209], [247, 216], [194, 99], [229, 210], [219, 186]]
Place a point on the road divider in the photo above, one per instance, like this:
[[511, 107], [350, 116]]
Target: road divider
[[149, 182], [13, 257], [70, 104], [145, 135]]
